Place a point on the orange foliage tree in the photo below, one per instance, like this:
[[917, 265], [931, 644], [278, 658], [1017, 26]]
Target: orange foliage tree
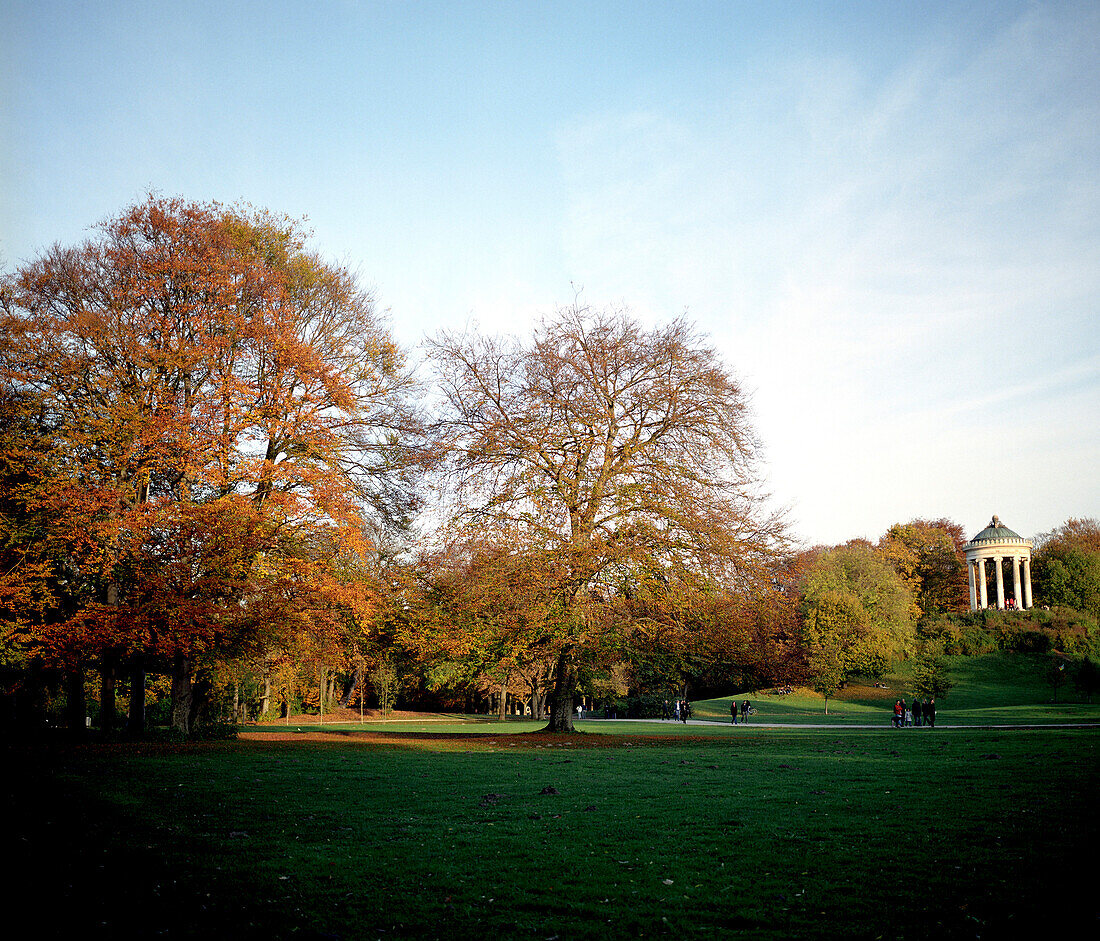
[[484, 621], [219, 399], [928, 556]]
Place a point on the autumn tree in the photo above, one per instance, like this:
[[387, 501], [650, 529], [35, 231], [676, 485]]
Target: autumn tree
[[481, 620], [928, 556], [597, 443], [220, 401]]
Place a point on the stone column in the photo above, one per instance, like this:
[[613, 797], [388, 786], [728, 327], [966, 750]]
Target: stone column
[[981, 582], [970, 565], [1000, 582], [1017, 597], [1027, 581]]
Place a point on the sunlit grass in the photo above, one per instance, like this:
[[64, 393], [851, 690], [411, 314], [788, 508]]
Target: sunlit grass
[[998, 688]]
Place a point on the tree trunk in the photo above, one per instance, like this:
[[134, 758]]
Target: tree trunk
[[76, 701], [538, 699], [561, 697], [181, 694], [135, 723], [265, 702], [201, 692], [353, 684], [504, 697], [37, 697], [108, 709]]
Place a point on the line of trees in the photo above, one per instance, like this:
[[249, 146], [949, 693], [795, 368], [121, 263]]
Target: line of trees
[[213, 457], [202, 421]]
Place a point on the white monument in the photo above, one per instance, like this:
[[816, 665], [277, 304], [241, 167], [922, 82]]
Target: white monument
[[998, 543]]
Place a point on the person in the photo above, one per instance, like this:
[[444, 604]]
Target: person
[[676, 709], [916, 712], [684, 709], [744, 711], [898, 712], [930, 713], [668, 712], [908, 715]]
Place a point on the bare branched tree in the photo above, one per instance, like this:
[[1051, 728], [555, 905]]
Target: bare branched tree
[[602, 445]]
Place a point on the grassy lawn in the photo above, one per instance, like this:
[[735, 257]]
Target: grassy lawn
[[777, 834], [998, 688]]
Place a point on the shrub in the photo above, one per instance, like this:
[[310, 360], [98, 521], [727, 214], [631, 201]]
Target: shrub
[[1036, 631]]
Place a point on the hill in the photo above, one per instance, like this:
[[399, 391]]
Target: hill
[[994, 688]]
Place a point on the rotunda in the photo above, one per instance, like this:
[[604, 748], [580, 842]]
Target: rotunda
[[997, 543]]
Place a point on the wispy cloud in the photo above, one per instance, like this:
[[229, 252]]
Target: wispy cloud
[[870, 253]]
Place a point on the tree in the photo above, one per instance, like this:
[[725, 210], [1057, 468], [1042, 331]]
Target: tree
[[220, 402], [1086, 677], [931, 677], [835, 632], [1067, 566], [598, 444], [386, 683], [483, 623], [852, 597], [928, 555], [828, 672], [1055, 674]]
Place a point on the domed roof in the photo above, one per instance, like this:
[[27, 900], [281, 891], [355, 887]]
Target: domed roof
[[996, 531]]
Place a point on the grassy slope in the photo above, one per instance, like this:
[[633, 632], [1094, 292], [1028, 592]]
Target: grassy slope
[[764, 836], [995, 688]]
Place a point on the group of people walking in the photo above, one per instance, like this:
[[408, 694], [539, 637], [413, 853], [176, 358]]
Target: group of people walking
[[916, 713], [680, 710], [746, 710]]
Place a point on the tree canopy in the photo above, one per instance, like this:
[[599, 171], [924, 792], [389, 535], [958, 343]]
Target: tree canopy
[[1067, 566], [604, 447], [857, 606], [220, 407], [928, 556]]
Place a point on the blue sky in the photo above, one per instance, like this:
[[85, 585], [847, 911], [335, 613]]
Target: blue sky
[[886, 215]]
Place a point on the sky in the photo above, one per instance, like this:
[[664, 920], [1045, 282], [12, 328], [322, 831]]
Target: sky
[[884, 215]]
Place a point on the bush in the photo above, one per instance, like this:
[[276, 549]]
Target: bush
[[1036, 631]]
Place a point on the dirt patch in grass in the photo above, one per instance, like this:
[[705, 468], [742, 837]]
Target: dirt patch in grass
[[341, 716]]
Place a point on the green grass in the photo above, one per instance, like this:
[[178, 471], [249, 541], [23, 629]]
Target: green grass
[[776, 834], [998, 688]]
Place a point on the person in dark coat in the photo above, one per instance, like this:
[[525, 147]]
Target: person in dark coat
[[930, 713], [744, 711], [684, 712], [733, 710], [916, 712]]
